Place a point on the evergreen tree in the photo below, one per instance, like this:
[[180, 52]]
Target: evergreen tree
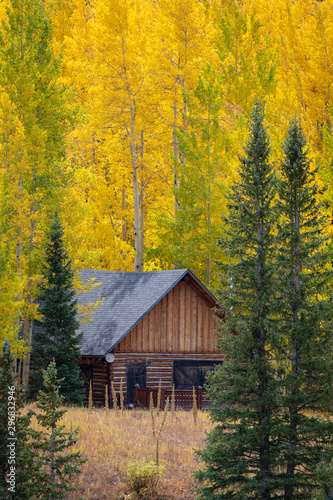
[[242, 453], [17, 455], [58, 469], [55, 334], [304, 309]]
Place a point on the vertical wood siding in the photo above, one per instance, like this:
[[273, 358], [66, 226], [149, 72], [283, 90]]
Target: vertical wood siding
[[182, 322], [181, 326]]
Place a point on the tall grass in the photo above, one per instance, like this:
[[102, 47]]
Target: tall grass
[[111, 442]]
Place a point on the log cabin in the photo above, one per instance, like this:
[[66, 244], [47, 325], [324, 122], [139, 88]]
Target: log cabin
[[148, 326]]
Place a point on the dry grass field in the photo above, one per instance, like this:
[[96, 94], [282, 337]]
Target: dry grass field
[[111, 441]]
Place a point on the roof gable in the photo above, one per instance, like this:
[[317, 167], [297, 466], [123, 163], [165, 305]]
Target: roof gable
[[128, 297]]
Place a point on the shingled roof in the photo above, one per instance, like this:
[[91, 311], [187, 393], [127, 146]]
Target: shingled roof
[[128, 297]]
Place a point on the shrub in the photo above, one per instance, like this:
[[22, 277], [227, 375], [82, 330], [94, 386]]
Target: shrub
[[143, 478]]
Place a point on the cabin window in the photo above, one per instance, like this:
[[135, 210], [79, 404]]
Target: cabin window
[[189, 373], [136, 375]]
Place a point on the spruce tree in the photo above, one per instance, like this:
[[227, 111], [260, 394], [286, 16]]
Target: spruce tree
[[304, 313], [55, 477], [242, 452], [55, 334], [18, 465]]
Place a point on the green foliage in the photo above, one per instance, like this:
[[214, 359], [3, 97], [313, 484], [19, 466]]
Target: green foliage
[[273, 394], [324, 474], [242, 449], [57, 469], [55, 334], [30, 74], [248, 59], [16, 449], [304, 317], [143, 478]]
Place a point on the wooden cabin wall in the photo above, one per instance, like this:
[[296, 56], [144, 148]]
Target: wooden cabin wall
[[158, 366], [182, 322], [100, 378], [181, 326]]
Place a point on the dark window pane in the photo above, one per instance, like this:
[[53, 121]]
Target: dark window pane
[[189, 373], [136, 374]]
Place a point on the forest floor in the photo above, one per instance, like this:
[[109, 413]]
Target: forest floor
[[111, 441]]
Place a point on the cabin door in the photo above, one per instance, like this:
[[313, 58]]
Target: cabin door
[[136, 374]]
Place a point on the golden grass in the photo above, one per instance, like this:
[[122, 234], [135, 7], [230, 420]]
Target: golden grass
[[111, 440]]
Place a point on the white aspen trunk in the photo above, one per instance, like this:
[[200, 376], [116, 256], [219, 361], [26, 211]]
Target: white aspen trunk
[[137, 233], [208, 271], [208, 261], [123, 206], [93, 151], [142, 206], [27, 325], [27, 328], [329, 121], [175, 153], [27, 334], [18, 364]]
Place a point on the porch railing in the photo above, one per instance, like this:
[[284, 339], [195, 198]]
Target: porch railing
[[183, 397]]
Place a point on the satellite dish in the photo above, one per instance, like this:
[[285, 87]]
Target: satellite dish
[[109, 357]]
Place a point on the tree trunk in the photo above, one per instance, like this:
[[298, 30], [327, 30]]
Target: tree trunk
[[142, 206], [208, 261], [208, 271], [295, 358], [27, 335], [264, 459], [137, 233], [124, 225], [175, 154], [52, 474]]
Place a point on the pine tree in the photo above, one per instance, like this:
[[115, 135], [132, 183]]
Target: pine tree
[[241, 456], [17, 455], [55, 334], [304, 309], [58, 469]]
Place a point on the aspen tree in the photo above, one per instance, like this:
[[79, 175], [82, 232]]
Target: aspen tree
[[29, 74], [184, 35], [122, 106], [247, 58], [190, 238]]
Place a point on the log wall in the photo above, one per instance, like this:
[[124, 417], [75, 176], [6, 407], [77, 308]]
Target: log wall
[[158, 367]]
